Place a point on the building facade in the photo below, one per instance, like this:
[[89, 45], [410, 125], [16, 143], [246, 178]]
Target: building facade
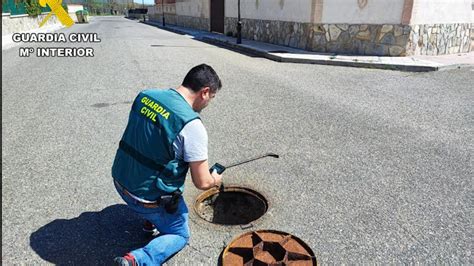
[[362, 27]]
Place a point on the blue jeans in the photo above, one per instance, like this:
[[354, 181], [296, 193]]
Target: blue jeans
[[173, 228]]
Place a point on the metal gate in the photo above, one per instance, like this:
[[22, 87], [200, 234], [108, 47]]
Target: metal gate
[[217, 16]]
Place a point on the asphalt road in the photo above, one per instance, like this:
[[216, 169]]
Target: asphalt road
[[375, 166]]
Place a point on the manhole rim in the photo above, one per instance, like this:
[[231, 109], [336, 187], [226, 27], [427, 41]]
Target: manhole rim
[[299, 240], [233, 188]]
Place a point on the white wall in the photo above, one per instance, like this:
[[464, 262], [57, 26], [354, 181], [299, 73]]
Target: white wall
[[374, 12], [152, 10], [193, 8], [339, 11], [72, 8], [441, 11], [283, 10]]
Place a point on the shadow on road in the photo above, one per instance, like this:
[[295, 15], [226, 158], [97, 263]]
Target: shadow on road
[[93, 238], [198, 36]]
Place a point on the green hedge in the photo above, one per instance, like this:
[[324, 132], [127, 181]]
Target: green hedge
[[23, 7]]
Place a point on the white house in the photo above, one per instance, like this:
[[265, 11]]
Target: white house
[[365, 27]]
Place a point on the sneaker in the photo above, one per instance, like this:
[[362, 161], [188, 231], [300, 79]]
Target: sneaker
[[127, 260], [150, 228]]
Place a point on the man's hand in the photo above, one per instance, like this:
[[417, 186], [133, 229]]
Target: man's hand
[[217, 177], [202, 179]]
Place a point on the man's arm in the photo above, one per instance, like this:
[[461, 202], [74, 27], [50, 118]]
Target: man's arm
[[202, 179]]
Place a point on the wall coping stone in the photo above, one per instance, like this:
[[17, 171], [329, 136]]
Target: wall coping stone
[[19, 16]]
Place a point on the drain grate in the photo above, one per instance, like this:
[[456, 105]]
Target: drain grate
[[268, 247], [232, 206]]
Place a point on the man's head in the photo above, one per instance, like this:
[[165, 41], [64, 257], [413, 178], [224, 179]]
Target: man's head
[[204, 83]]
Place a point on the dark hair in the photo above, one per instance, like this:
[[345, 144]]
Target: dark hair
[[202, 76]]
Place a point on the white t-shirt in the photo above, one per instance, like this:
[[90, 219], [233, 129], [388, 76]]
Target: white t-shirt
[[191, 142]]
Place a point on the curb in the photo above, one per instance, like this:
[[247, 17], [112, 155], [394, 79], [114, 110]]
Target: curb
[[332, 62], [454, 66]]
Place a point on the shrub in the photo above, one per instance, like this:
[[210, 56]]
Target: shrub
[[33, 8]]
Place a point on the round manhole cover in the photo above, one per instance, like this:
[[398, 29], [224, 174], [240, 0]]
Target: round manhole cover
[[268, 247], [232, 206]]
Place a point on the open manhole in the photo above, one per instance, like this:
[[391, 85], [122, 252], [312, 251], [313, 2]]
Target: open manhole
[[232, 206], [267, 247]]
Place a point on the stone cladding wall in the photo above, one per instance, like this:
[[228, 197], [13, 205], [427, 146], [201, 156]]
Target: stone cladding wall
[[439, 39], [359, 39]]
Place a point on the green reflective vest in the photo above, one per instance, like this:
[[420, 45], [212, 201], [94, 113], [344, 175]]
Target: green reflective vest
[[145, 162]]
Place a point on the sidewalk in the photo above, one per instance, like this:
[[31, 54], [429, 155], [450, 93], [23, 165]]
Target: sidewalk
[[292, 55]]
